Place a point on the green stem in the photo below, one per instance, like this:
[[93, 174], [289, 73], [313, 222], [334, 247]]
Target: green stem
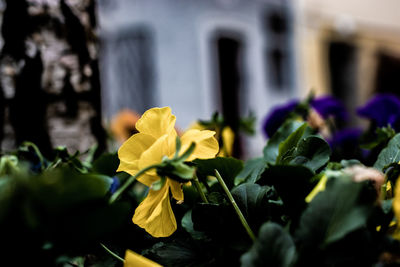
[[112, 253], [198, 187], [233, 202], [131, 179]]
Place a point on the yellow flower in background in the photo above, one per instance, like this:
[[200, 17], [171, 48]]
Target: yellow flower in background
[[227, 137], [156, 138], [132, 259], [123, 124], [396, 201]]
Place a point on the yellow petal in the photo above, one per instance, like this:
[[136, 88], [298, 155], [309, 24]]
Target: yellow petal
[[130, 168], [318, 188], [396, 201], [176, 189], [132, 259], [148, 179], [195, 126], [155, 214], [155, 153], [156, 122], [206, 144], [131, 150]]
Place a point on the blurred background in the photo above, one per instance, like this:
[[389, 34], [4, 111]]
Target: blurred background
[[78, 73]]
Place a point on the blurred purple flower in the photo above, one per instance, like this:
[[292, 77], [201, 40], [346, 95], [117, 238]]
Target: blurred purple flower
[[277, 116], [328, 106], [114, 185], [383, 109], [345, 138]]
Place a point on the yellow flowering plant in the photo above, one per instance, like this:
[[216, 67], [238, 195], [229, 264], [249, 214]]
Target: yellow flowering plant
[[154, 157]]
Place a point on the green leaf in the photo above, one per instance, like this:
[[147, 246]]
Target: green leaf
[[106, 164], [381, 137], [187, 224], [293, 183], [177, 253], [274, 247], [246, 124], [271, 150], [251, 171], [286, 147], [342, 208], [390, 154], [206, 217], [7, 190], [312, 152], [229, 168], [63, 187], [221, 224], [258, 203]]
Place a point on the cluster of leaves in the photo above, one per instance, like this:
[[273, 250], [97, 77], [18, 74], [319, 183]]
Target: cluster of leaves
[[58, 213], [339, 227]]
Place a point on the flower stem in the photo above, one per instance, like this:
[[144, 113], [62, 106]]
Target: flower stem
[[233, 202], [131, 179], [112, 253], [198, 187]]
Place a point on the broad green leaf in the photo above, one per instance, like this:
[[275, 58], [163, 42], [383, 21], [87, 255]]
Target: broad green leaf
[[274, 247], [221, 224], [390, 154], [251, 171], [206, 217], [63, 187], [106, 164], [286, 147], [258, 203], [7, 190], [293, 183], [179, 252], [187, 224], [229, 168], [380, 138], [312, 152], [271, 150], [342, 208]]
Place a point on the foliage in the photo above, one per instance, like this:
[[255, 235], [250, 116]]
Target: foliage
[[59, 211]]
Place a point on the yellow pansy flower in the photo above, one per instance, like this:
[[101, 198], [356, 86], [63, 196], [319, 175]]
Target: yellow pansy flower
[[156, 138], [132, 259]]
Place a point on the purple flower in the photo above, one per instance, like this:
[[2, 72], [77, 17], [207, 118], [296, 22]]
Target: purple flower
[[383, 109], [328, 106], [278, 116], [345, 138]]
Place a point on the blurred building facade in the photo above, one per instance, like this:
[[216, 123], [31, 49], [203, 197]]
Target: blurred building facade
[[231, 56], [349, 48], [234, 56]]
